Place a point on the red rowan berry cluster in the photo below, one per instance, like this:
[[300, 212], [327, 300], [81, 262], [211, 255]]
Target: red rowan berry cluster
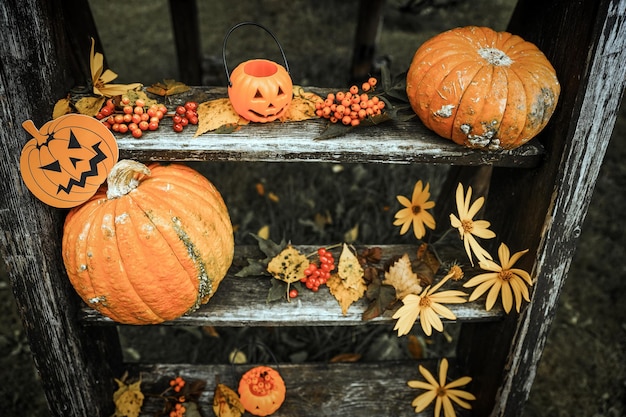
[[187, 114], [316, 275], [133, 118], [350, 107]]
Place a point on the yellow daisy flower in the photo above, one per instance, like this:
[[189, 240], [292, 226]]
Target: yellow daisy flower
[[504, 279], [100, 78], [468, 227], [414, 211], [443, 394], [428, 306]]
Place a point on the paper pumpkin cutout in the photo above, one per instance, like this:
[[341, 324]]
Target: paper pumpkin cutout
[[68, 159]]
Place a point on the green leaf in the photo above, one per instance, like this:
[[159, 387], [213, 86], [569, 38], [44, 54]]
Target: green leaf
[[269, 247], [278, 291]]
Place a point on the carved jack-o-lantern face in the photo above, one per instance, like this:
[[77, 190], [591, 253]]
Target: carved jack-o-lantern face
[[68, 159], [260, 90]]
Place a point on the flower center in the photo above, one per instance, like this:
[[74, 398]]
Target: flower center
[[505, 275], [424, 302], [467, 225], [416, 209], [456, 271], [441, 392]]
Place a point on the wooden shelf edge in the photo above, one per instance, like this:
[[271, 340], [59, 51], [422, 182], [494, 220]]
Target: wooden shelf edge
[[242, 301], [313, 389], [397, 142]]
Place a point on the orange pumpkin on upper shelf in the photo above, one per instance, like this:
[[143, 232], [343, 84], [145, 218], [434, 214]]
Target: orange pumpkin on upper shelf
[[482, 88], [151, 246]]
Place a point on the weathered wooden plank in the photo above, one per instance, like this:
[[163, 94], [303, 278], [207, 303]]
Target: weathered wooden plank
[[390, 142], [320, 389], [70, 358], [555, 197], [243, 302]]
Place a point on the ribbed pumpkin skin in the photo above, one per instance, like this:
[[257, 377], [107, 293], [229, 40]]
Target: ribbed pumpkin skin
[[482, 88], [153, 254]]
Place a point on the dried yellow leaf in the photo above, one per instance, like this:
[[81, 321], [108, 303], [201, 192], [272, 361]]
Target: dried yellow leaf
[[226, 402], [351, 235], [264, 232], [128, 399], [402, 278], [89, 106], [347, 285], [288, 265], [101, 78], [215, 114], [61, 108], [302, 106]]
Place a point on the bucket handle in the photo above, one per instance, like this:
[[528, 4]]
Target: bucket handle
[[249, 24]]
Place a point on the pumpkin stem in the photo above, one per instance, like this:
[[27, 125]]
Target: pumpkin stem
[[125, 177]]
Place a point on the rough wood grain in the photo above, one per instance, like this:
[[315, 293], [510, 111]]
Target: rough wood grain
[[70, 358], [361, 389], [242, 301], [390, 142], [555, 196]]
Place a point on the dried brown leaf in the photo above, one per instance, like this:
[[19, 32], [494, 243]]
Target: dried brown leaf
[[168, 88], [346, 358], [426, 255], [89, 106], [415, 348], [216, 114]]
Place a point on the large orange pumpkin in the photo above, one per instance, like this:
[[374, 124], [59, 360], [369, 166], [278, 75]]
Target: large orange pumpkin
[[151, 246], [482, 88], [262, 390]]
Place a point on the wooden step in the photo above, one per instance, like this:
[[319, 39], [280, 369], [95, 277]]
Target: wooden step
[[242, 301], [314, 389], [390, 142]]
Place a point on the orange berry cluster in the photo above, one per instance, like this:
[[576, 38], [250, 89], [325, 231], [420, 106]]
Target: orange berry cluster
[[352, 106], [177, 384], [178, 411], [135, 118]]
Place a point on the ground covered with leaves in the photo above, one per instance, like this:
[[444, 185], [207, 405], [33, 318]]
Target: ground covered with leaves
[[582, 371]]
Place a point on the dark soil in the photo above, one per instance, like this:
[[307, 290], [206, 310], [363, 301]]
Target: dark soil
[[583, 369]]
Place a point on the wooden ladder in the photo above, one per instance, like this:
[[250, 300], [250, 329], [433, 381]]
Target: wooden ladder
[[543, 190]]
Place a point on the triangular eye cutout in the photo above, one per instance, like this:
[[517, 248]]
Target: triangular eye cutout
[[258, 94], [73, 144], [280, 91], [54, 166]]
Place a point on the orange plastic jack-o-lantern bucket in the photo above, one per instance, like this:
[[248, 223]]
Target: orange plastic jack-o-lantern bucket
[[259, 90]]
